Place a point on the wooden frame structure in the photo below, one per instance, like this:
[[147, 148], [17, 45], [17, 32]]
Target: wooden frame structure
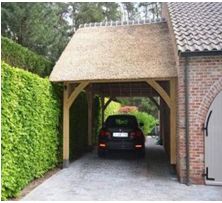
[[72, 90]]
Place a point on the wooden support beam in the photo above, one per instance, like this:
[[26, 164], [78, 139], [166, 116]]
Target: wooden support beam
[[65, 127], [160, 90], [173, 120], [67, 102], [162, 123], [76, 92]]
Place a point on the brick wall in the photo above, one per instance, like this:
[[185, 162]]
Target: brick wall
[[205, 77]]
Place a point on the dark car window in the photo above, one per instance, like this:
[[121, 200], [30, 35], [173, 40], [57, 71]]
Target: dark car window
[[121, 121]]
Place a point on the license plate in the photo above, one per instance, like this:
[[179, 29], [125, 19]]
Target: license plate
[[120, 134]]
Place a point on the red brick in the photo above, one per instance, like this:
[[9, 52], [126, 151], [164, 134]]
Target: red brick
[[205, 83]]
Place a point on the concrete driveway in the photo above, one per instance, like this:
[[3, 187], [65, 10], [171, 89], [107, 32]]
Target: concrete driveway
[[121, 177]]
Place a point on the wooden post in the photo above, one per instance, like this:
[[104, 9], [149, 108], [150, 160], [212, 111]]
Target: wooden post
[[161, 119], [173, 121], [65, 126]]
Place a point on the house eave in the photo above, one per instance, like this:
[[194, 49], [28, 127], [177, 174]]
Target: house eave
[[200, 53]]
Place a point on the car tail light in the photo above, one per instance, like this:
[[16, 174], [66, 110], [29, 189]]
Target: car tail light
[[104, 133], [136, 134], [138, 146], [102, 145]]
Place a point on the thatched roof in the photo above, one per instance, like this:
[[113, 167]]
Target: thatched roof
[[116, 53]]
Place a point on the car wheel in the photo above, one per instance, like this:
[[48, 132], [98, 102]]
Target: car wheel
[[141, 153], [101, 153]]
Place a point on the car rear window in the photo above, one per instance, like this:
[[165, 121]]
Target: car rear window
[[121, 121]]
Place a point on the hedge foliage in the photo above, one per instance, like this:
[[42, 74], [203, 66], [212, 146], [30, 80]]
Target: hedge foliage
[[19, 56], [142, 117], [148, 120], [112, 108], [30, 135]]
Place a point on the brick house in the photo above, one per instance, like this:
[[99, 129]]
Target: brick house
[[196, 31], [178, 59]]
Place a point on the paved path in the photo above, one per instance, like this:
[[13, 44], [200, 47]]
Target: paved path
[[121, 177]]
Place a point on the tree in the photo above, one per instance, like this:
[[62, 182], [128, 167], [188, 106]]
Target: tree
[[145, 6], [88, 12], [38, 26], [151, 9], [144, 104], [46, 27], [131, 10], [111, 11]]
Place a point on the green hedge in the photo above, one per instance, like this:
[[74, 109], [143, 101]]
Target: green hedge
[[112, 108], [19, 56], [30, 135], [148, 120]]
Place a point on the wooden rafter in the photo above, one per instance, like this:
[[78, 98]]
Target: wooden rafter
[[76, 92], [160, 90]]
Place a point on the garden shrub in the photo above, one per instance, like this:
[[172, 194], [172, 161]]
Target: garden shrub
[[112, 108], [148, 120], [19, 56], [30, 135]]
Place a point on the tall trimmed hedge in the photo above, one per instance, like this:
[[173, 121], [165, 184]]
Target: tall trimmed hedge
[[19, 56], [30, 135], [112, 108], [148, 120]]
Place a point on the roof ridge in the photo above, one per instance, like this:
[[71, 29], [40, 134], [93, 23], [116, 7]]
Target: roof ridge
[[122, 23]]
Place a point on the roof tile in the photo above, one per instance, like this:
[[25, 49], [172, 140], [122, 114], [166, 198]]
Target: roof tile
[[197, 26]]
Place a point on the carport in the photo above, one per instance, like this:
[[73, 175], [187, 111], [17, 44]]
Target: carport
[[120, 60]]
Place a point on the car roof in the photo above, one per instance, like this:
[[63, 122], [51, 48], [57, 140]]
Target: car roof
[[122, 115]]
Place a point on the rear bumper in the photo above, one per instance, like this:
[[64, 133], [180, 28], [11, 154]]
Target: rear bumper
[[121, 145]]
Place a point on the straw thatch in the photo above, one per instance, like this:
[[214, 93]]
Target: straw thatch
[[116, 53]]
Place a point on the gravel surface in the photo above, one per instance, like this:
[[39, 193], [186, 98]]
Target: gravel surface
[[121, 176]]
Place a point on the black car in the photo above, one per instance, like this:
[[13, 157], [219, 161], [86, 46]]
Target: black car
[[121, 132]]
